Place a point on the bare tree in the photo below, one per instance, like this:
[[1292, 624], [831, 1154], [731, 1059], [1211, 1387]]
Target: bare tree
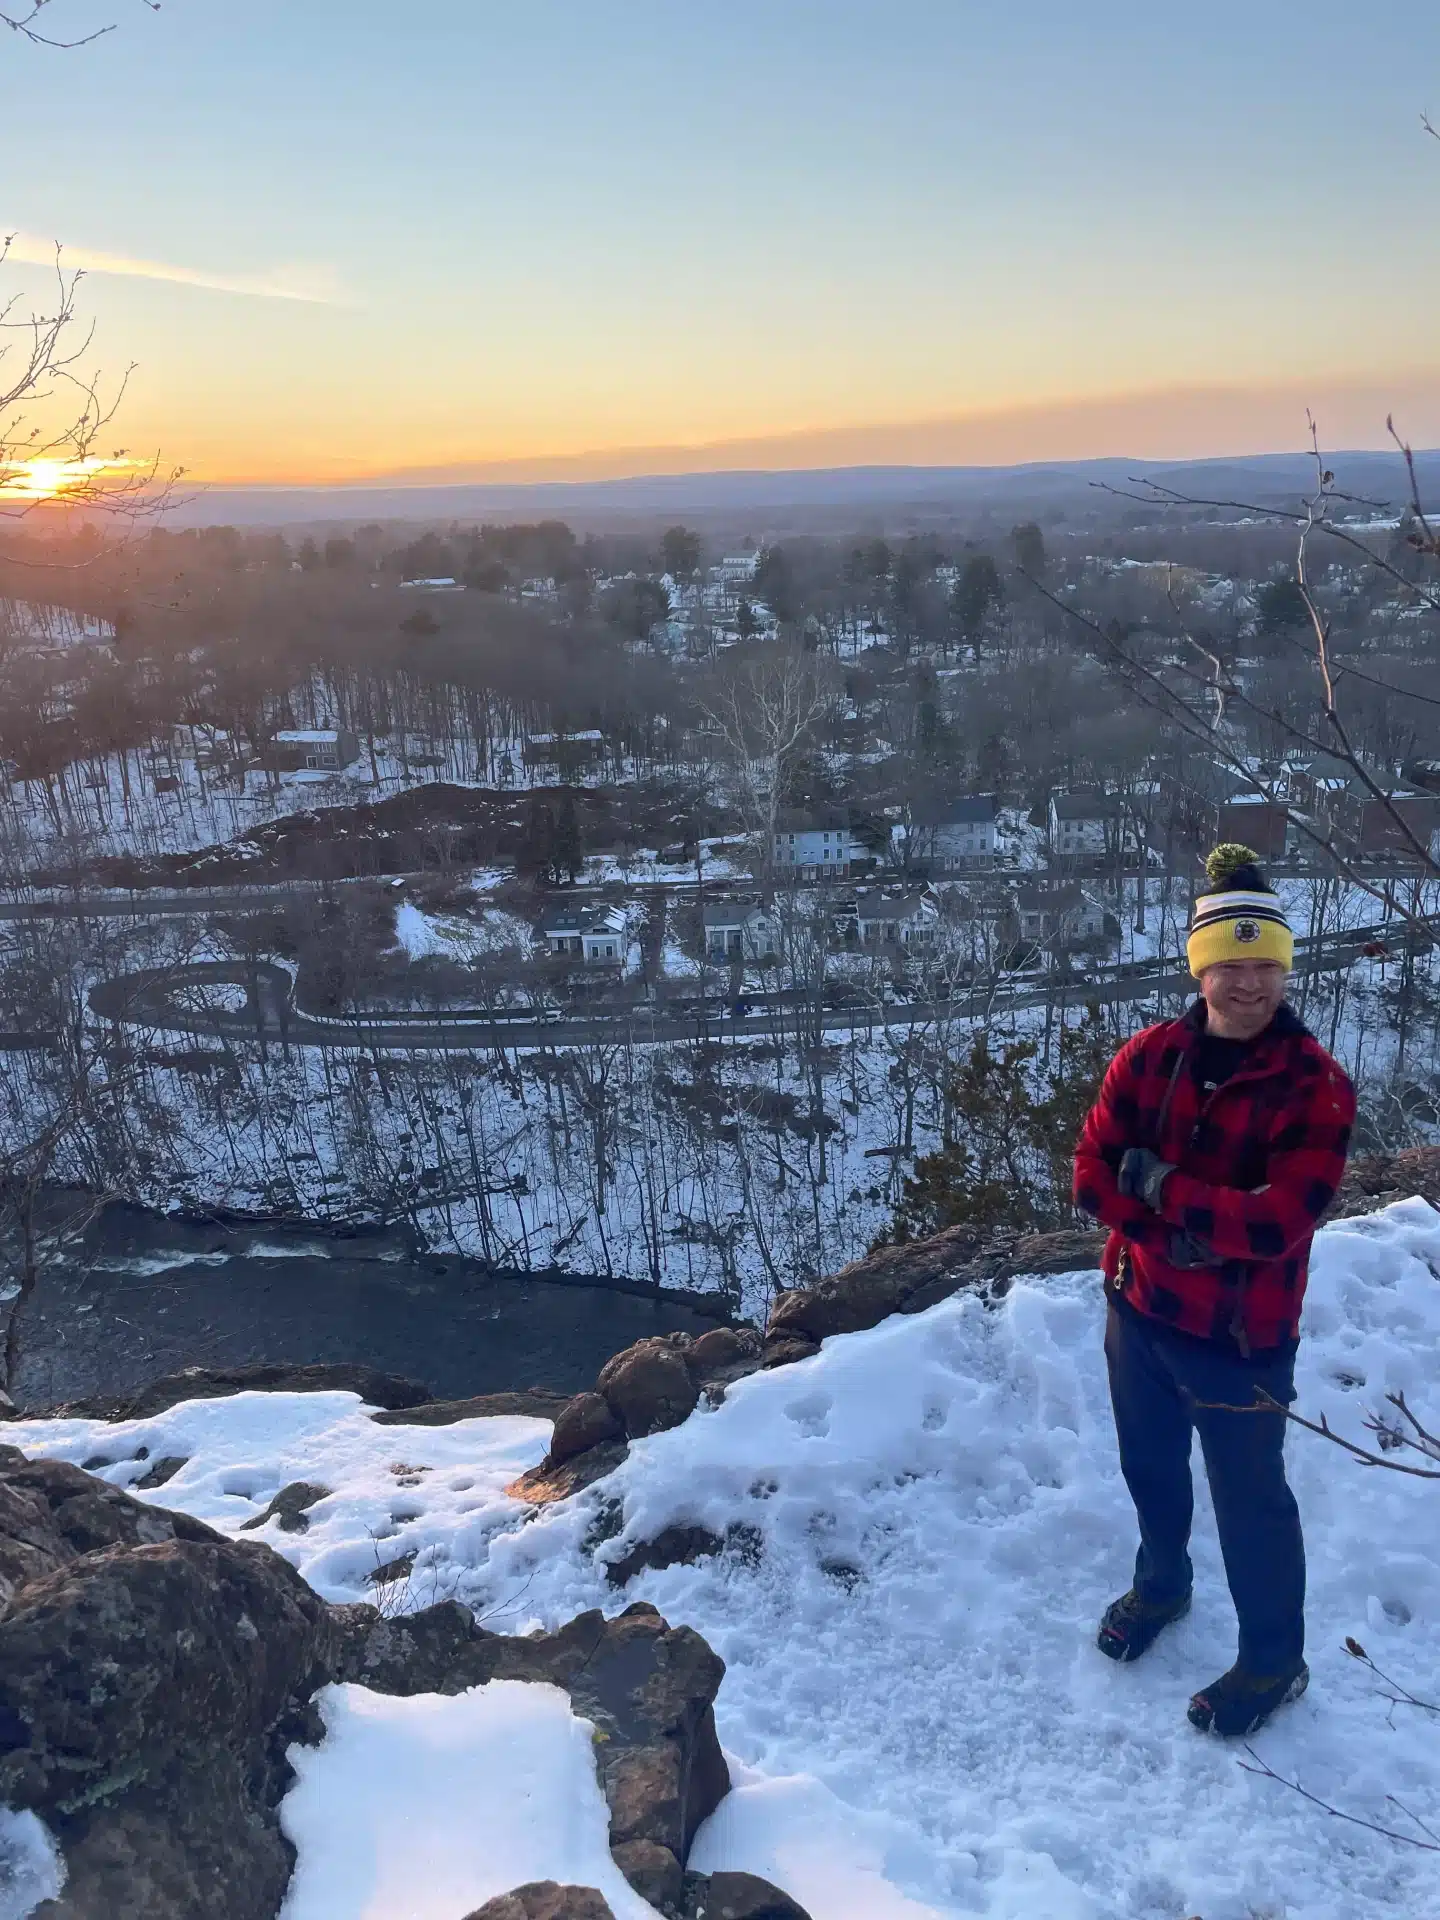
[[765, 703], [54, 409]]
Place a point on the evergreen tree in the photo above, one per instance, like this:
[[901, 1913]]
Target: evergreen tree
[[1280, 607], [680, 551], [977, 593], [1011, 1128], [567, 848], [1029, 546], [537, 842]]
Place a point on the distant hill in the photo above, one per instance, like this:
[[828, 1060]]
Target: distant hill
[[1266, 479]]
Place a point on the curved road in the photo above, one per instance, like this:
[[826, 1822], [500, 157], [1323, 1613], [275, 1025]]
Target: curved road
[[153, 998]]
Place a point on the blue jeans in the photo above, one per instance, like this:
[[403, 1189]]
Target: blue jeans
[[1165, 1385]]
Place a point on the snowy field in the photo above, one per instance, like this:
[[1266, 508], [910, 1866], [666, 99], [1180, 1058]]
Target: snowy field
[[925, 1522]]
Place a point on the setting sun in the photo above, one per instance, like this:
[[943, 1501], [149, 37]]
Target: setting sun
[[51, 479]]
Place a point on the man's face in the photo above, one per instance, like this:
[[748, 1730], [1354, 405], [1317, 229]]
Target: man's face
[[1242, 996]]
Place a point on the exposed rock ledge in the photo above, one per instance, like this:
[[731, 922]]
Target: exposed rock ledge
[[658, 1382], [153, 1675]]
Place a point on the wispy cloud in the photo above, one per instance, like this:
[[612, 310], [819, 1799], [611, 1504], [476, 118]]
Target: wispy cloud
[[308, 284]]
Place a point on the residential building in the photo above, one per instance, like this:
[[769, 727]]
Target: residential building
[[1058, 917], [955, 837], [1380, 831], [739, 930], [318, 749], [1256, 822], [592, 934], [895, 916], [814, 846], [1329, 788], [563, 754], [1082, 826]]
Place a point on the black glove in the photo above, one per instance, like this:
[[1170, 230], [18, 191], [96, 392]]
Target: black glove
[[1142, 1174], [1186, 1252]]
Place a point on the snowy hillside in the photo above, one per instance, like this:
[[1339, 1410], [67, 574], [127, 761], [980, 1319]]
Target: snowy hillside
[[922, 1525]]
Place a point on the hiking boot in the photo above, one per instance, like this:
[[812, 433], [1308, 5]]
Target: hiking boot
[[1129, 1624], [1239, 1702]]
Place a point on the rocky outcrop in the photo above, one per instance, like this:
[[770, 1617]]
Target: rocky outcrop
[[546, 1900], [915, 1275], [531, 1403], [52, 1513], [659, 1382], [582, 1423], [647, 1687], [648, 1386], [1373, 1180], [653, 1385], [153, 1675], [290, 1508], [737, 1896], [386, 1390]]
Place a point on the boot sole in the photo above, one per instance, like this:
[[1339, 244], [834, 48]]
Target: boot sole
[[1207, 1724]]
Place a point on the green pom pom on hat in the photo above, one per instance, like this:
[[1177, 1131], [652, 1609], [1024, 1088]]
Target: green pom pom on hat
[[1224, 863], [1240, 918]]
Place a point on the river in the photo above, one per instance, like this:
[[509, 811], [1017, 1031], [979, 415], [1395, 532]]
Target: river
[[142, 1294]]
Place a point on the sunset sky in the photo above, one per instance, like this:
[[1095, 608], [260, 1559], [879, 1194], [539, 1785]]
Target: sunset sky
[[459, 238]]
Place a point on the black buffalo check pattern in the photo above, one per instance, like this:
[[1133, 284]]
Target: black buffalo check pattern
[[1257, 1161]]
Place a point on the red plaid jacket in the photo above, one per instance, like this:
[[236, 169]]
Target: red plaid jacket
[[1257, 1162]]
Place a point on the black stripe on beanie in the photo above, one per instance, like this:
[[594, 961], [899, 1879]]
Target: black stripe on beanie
[[1245, 912]]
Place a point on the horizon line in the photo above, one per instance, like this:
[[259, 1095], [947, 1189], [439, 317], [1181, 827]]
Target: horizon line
[[398, 483]]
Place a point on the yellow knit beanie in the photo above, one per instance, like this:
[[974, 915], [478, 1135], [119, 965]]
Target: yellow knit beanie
[[1240, 918]]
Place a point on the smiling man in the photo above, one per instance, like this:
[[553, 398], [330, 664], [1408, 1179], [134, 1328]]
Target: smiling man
[[1216, 1144]]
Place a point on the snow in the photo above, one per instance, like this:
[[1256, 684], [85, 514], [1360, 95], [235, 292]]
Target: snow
[[437, 1492], [454, 936], [429, 1806], [31, 1869], [796, 1833], [925, 1522], [211, 997]]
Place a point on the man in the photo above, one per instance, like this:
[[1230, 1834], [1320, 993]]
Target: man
[[1216, 1144]]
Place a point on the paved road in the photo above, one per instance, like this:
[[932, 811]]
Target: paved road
[[247, 896], [155, 998], [145, 906]]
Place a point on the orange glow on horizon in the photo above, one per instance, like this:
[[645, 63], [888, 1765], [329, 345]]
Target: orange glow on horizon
[[50, 478], [1176, 422]]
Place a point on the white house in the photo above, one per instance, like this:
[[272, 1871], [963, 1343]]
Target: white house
[[814, 846], [889, 916], [592, 934], [952, 838], [738, 930], [1081, 825]]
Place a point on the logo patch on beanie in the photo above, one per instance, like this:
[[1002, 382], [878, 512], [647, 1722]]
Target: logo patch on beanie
[[1246, 931]]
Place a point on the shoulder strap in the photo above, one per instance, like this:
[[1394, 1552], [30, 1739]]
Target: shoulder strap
[[1163, 1114]]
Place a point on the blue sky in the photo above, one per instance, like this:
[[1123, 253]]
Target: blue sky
[[542, 230]]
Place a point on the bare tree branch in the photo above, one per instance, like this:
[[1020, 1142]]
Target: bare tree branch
[[1266, 1772], [1391, 1436], [31, 25]]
